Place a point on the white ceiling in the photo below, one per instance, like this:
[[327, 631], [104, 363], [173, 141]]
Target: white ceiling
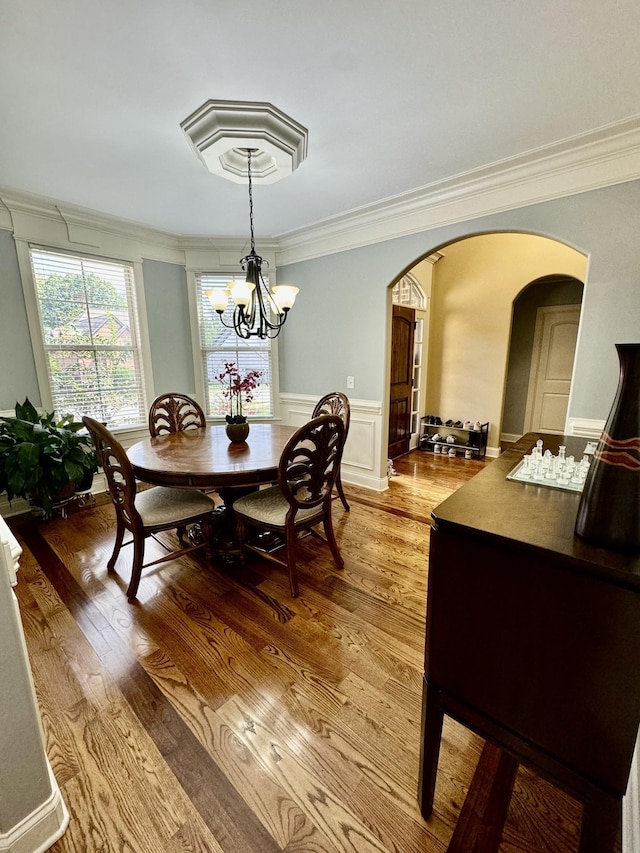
[[395, 96]]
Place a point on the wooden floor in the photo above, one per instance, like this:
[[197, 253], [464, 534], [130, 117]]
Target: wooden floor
[[219, 714]]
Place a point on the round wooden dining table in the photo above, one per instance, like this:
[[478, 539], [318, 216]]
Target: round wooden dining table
[[205, 459]]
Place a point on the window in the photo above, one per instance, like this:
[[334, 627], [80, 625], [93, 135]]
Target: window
[[219, 344], [408, 292], [90, 332]]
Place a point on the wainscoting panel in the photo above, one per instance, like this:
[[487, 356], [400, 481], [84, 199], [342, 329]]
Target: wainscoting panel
[[362, 462]]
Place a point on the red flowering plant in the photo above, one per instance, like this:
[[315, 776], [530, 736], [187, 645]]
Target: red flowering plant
[[238, 389]]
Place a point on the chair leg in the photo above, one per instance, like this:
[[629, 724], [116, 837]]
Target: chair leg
[[340, 492], [120, 528], [291, 561], [136, 571], [181, 532], [331, 539]]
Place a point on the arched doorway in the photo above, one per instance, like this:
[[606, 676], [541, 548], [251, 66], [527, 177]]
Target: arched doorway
[[472, 291], [542, 346]]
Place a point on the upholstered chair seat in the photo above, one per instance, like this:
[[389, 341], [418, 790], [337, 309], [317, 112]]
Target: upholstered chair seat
[[162, 506], [148, 512]]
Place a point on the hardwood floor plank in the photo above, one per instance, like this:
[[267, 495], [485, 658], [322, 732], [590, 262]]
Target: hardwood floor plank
[[340, 826]]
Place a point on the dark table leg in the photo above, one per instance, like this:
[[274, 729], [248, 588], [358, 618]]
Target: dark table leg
[[432, 717], [601, 824]]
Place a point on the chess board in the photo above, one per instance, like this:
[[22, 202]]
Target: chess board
[[542, 468]]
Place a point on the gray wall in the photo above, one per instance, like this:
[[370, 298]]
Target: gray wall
[[17, 368], [165, 292], [525, 310], [338, 324]]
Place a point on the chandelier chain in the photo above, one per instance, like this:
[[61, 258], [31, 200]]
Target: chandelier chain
[[253, 245]]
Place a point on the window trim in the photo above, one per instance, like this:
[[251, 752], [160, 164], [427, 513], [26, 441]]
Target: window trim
[[192, 280], [23, 248]]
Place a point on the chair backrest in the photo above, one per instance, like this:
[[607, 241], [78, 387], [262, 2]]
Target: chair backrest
[[310, 462], [117, 469], [334, 403], [174, 412]]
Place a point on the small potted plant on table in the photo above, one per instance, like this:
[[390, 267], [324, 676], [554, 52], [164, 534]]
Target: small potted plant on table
[[238, 389]]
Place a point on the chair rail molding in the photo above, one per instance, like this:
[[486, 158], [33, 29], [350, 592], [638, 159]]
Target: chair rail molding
[[361, 461]]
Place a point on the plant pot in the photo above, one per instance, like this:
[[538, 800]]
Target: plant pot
[[84, 485], [237, 433]]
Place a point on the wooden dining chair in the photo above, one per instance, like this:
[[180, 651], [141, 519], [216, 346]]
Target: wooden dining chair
[[302, 499], [336, 403], [173, 412], [147, 512]]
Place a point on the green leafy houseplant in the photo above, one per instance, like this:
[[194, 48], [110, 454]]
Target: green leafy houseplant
[[41, 457]]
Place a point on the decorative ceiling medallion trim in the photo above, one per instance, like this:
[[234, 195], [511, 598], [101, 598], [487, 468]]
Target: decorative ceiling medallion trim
[[218, 130]]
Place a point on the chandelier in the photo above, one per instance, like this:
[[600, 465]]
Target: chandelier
[[258, 311]]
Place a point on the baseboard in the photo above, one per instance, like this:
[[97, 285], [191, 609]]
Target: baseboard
[[39, 830], [510, 437], [585, 428]]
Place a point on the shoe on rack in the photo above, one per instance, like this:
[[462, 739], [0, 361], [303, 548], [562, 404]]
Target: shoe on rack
[[477, 425], [437, 421], [457, 425], [449, 423], [468, 425], [451, 439]]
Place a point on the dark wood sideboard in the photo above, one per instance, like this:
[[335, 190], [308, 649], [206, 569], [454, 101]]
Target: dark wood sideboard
[[533, 639]]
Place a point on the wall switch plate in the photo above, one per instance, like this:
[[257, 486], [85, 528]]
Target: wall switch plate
[[351, 382]]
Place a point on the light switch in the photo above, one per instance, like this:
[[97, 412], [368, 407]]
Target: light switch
[[351, 382]]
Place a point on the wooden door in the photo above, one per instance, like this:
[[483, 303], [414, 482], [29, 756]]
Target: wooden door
[[551, 368], [401, 382]]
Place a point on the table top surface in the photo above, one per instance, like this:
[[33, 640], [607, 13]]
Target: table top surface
[[524, 515], [205, 458]]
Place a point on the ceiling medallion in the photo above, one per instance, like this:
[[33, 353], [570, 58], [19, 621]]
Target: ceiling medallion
[[221, 132]]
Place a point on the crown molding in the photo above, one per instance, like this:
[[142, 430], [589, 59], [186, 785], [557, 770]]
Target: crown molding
[[81, 227], [603, 157]]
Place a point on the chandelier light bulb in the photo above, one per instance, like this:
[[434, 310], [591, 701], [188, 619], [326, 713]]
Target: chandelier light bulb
[[241, 292], [218, 297], [284, 295]]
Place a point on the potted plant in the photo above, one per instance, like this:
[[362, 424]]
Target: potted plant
[[238, 389], [42, 459]]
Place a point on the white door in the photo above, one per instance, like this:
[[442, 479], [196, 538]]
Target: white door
[[554, 349]]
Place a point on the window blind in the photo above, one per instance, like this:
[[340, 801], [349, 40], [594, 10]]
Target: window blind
[[219, 344], [91, 336]]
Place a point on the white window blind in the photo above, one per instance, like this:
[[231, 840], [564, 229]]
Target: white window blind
[[219, 344], [91, 336]]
